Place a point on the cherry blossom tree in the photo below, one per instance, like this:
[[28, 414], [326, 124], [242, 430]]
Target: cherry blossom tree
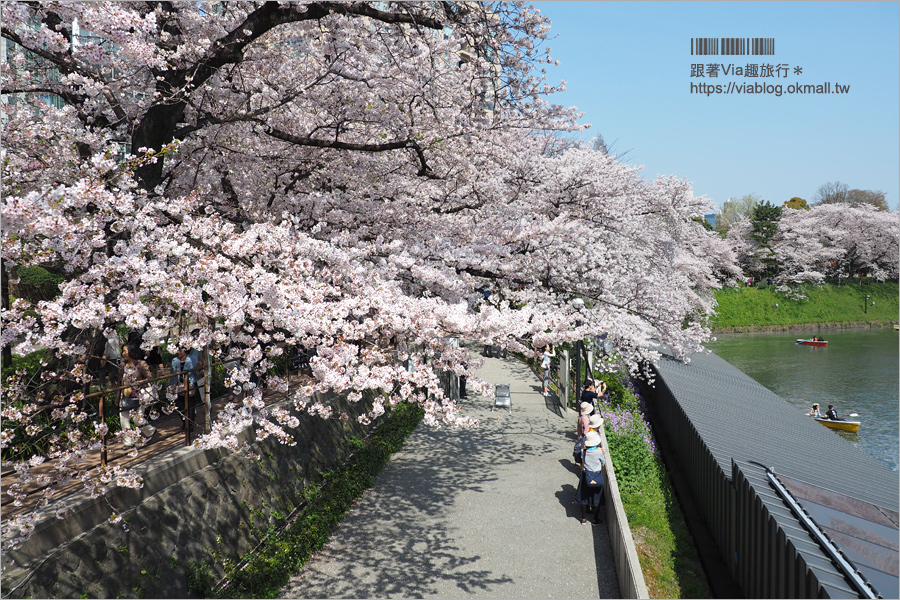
[[801, 255], [837, 240], [739, 237], [340, 176]]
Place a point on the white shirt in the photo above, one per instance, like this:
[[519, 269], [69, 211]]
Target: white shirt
[[545, 359]]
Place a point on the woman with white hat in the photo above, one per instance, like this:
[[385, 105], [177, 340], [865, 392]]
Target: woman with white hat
[[584, 420], [595, 424], [592, 482]]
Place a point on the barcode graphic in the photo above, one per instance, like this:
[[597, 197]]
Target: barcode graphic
[[733, 46]]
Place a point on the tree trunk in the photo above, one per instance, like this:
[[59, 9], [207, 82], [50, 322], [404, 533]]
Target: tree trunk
[[157, 129]]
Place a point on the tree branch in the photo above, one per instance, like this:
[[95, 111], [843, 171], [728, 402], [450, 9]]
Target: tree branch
[[299, 140], [271, 14]]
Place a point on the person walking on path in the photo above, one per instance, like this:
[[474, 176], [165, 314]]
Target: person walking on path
[[584, 420], [183, 361], [595, 423], [591, 482], [112, 356], [591, 393]]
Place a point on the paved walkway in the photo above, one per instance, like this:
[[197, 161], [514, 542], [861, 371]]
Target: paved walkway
[[497, 521]]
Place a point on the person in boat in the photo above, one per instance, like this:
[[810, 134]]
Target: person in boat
[[832, 414], [814, 411]]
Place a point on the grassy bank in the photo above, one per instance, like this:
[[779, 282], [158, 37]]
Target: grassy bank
[[760, 309], [663, 542]]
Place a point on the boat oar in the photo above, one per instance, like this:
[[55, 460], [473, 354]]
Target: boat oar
[[853, 415]]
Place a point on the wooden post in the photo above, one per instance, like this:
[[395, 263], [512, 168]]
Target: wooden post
[[207, 391], [577, 386], [6, 353]]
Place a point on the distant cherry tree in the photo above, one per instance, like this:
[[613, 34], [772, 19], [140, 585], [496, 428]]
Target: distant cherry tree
[[835, 240]]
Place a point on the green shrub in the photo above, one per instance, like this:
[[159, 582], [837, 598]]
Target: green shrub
[[619, 396], [665, 548], [270, 566], [31, 363], [37, 283], [200, 578], [634, 461]]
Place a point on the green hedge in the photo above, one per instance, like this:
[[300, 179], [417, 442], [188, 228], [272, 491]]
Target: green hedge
[[37, 283], [270, 568]]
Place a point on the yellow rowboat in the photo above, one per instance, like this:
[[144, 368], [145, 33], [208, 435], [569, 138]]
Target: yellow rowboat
[[842, 425]]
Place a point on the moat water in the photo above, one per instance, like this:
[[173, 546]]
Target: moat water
[[858, 372]]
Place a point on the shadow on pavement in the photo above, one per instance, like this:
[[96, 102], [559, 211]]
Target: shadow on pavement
[[399, 541], [470, 513], [571, 467]]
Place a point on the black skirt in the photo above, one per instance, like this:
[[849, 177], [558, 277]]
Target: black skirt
[[592, 496]]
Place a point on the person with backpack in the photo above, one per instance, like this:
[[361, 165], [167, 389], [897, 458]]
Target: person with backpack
[[595, 423], [591, 482]]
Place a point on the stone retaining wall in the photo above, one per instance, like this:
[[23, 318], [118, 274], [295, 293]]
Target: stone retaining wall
[[804, 326], [196, 508]]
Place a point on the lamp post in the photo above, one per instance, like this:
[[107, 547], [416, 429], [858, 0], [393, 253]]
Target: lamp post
[[866, 305]]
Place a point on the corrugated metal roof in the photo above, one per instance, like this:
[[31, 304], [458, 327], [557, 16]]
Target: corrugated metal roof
[[740, 419], [731, 410]]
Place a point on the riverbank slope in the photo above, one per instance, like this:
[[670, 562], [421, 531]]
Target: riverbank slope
[[748, 309]]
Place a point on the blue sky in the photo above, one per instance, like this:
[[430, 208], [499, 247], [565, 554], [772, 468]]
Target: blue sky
[[628, 68]]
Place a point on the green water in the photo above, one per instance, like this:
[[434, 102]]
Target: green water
[[857, 372]]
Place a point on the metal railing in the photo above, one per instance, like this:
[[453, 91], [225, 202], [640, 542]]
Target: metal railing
[[117, 392], [204, 371]]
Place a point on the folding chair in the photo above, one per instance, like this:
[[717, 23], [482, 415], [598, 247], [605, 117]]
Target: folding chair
[[502, 398]]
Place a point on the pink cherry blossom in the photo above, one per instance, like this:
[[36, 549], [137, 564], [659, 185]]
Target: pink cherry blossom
[[289, 175]]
